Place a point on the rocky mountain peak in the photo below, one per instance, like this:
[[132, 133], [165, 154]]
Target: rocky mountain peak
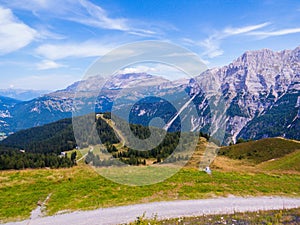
[[253, 83], [262, 70]]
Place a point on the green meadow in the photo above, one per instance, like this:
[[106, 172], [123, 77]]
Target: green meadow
[[82, 188]]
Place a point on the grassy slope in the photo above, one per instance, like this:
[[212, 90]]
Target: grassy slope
[[82, 188], [261, 150], [272, 155], [290, 162]]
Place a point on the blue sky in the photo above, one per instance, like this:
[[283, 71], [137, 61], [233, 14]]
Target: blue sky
[[49, 44]]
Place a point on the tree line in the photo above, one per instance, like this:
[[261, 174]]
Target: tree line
[[15, 159], [50, 138]]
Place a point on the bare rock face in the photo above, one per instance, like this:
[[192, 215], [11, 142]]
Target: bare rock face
[[251, 86]]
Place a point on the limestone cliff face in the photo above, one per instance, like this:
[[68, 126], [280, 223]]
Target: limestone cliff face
[[253, 84]]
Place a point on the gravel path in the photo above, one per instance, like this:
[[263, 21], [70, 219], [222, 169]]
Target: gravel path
[[172, 209]]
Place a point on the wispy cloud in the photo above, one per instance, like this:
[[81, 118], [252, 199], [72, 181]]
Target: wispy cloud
[[230, 31], [266, 34], [48, 64], [158, 69], [46, 33], [93, 15], [14, 34], [211, 47], [79, 11], [212, 44], [73, 50]]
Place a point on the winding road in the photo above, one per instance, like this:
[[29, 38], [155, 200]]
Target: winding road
[[172, 209]]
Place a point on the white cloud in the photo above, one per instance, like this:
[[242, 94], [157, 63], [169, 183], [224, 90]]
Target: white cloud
[[45, 33], [266, 34], [31, 5], [75, 50], [79, 11], [97, 17], [212, 47], [212, 44], [14, 34], [158, 69], [138, 69], [48, 64], [242, 30]]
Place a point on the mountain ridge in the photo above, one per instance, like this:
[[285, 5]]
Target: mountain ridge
[[254, 87], [253, 83], [22, 94]]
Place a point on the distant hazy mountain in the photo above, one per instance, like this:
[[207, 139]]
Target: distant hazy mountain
[[260, 89], [23, 95]]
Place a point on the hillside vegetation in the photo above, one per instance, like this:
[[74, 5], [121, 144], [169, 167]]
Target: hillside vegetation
[[81, 188], [51, 138], [261, 150], [39, 147], [57, 137], [288, 162]]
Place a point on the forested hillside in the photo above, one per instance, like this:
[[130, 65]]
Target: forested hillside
[[51, 138], [54, 138], [39, 147], [12, 158]]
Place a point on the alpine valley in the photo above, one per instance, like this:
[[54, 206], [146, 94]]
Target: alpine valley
[[260, 91]]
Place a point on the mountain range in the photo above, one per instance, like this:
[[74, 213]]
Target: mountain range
[[260, 92], [21, 94]]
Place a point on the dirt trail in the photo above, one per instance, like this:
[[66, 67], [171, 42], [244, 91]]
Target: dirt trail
[[172, 209], [117, 131], [39, 211], [83, 157]]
